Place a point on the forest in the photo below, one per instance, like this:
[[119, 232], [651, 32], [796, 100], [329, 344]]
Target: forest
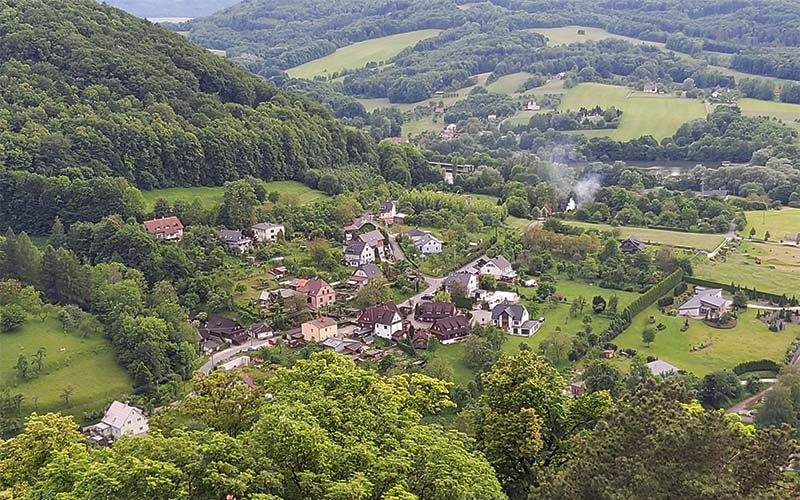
[[88, 91]]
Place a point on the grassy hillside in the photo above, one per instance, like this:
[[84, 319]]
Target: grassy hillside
[[359, 54], [643, 114], [209, 195], [779, 223], [86, 364]]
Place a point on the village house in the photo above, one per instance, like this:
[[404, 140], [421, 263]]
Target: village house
[[234, 240], [631, 245], [357, 224], [429, 312], [165, 228], [357, 253], [210, 346], [428, 244], [266, 231], [260, 330], [319, 329], [499, 267], [532, 106], [383, 320], [420, 339], [449, 132], [268, 297], [388, 211], [119, 420], [650, 88], [318, 293], [467, 280], [375, 240], [576, 389], [707, 303], [452, 329], [224, 329], [347, 347], [364, 273], [661, 368], [514, 319]]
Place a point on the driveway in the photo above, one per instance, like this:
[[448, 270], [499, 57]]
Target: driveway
[[433, 285], [219, 357]]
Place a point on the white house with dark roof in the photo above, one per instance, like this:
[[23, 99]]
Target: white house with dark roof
[[267, 231], [468, 280], [358, 253], [707, 303], [375, 240], [364, 273], [499, 267], [428, 244], [514, 319], [120, 420], [234, 240]]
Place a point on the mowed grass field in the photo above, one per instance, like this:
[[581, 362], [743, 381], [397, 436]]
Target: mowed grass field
[[658, 115], [699, 241], [211, 195], [566, 35], [359, 54], [787, 113], [779, 271], [779, 223], [88, 365], [749, 340]]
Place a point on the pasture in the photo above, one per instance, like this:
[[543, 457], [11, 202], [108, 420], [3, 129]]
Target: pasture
[[566, 35], [508, 84], [699, 241], [787, 113], [88, 365], [212, 195], [749, 340], [359, 54], [778, 272], [779, 223], [658, 115]]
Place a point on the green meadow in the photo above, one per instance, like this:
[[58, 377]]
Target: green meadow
[[212, 195], [699, 241]]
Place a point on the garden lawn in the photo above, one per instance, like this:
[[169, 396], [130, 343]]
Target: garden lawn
[[779, 271], [779, 223], [454, 355], [212, 195], [787, 113], [699, 241], [357, 55], [749, 340], [88, 365], [658, 115]]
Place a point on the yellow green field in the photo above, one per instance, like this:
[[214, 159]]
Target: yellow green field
[[779, 223], [778, 272], [359, 54], [210, 195], [508, 84], [88, 365], [658, 115], [788, 113], [566, 35], [699, 241], [749, 340]]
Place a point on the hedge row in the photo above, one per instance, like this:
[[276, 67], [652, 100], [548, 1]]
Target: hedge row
[[765, 365]]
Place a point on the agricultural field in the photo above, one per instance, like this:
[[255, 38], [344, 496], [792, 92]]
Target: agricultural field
[[212, 195], [566, 35], [508, 84], [787, 113], [88, 365], [749, 340], [699, 241], [778, 272], [658, 115], [359, 54], [779, 223]]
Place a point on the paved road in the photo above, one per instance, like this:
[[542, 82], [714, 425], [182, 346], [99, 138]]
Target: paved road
[[434, 284]]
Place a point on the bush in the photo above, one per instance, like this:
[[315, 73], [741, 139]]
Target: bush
[[665, 301], [762, 365], [680, 289]]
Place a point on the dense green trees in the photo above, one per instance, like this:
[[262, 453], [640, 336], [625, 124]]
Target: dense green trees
[[125, 98]]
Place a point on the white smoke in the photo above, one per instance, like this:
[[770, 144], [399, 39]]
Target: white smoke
[[586, 189]]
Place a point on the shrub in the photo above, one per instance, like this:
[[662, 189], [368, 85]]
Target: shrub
[[665, 301]]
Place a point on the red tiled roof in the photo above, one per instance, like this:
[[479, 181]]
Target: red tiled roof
[[312, 286], [165, 225]]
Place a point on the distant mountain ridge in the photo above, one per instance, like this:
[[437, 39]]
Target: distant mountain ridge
[[170, 8]]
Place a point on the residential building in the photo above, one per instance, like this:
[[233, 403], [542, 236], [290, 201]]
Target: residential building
[[234, 240], [632, 245], [416, 233], [375, 240], [650, 88], [499, 267], [468, 281], [165, 228], [357, 253], [364, 273], [514, 319], [532, 106], [266, 231], [318, 292], [268, 297], [210, 346], [576, 389], [260, 330], [119, 420], [319, 329], [383, 319], [662, 368], [707, 303], [347, 347], [431, 311], [451, 329], [428, 244], [388, 211], [224, 329]]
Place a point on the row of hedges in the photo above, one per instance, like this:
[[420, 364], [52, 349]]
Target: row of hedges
[[752, 293], [763, 365], [623, 321]]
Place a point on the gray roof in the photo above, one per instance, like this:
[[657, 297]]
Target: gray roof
[[500, 262], [387, 206], [355, 247], [661, 367], [371, 237], [708, 296], [416, 233], [425, 239], [231, 235], [118, 413], [516, 311], [264, 226], [462, 277], [371, 270]]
